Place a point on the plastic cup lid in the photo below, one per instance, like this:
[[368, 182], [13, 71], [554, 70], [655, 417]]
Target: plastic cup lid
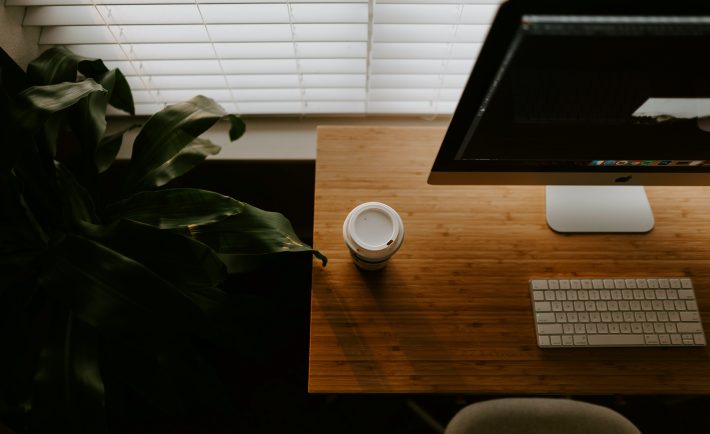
[[373, 229]]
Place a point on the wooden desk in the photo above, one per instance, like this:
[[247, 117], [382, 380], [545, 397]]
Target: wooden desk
[[451, 312]]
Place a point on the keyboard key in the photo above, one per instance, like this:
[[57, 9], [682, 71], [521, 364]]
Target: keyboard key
[[690, 327], [616, 340], [542, 306], [539, 284], [686, 283], [580, 340], [689, 317], [651, 339], [686, 294], [564, 284], [545, 318], [549, 329]]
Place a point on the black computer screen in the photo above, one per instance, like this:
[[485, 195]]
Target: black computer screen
[[587, 92]]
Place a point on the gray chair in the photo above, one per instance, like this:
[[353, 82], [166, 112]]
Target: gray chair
[[538, 416]]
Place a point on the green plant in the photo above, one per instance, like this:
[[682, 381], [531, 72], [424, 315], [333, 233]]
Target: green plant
[[85, 279]]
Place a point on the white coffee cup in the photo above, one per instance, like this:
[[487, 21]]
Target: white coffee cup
[[373, 233]]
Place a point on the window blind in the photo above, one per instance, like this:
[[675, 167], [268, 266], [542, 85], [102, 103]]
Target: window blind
[[267, 57]]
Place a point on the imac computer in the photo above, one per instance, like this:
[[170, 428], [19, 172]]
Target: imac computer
[[593, 98]]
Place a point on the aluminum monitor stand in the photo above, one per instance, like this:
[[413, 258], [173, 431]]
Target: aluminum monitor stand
[[579, 209]]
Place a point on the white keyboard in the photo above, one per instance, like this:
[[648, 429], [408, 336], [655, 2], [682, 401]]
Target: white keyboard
[[613, 312]]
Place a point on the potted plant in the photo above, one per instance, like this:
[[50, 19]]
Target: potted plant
[[95, 287]]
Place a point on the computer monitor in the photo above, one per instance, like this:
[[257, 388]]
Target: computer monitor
[[593, 93]]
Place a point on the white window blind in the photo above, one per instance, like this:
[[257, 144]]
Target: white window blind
[[296, 57]]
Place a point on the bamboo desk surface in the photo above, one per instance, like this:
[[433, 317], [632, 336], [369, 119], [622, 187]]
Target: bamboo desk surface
[[451, 312]]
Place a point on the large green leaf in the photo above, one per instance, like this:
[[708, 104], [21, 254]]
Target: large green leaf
[[175, 208], [187, 158], [105, 288], [55, 97], [58, 64], [120, 95], [252, 233], [182, 261], [42, 106], [68, 393], [168, 133], [108, 148], [53, 66], [88, 118]]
